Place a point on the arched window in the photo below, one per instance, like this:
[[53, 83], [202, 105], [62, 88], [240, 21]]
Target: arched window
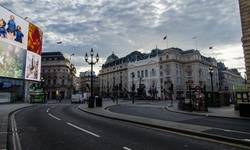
[[146, 73]]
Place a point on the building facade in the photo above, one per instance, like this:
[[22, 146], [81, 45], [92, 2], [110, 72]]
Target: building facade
[[162, 73], [244, 6], [85, 83], [181, 69], [59, 75], [113, 77]]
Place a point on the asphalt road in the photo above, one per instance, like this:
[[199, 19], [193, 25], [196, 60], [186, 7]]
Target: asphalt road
[[64, 127], [234, 128]]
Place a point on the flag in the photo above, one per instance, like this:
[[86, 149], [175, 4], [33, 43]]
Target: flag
[[72, 54], [59, 42], [211, 47], [165, 38], [194, 37]]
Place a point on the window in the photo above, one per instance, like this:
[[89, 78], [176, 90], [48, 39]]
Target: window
[[138, 74], [189, 73], [167, 57], [142, 73], [54, 82], [62, 81], [146, 73], [153, 73], [48, 83]]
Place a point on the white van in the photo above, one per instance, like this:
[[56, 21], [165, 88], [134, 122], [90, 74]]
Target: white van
[[77, 98]]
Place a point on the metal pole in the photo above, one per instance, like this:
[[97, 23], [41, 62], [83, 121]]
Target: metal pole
[[133, 90], [190, 97], [212, 82]]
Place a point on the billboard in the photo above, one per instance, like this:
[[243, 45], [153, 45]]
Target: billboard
[[20, 47]]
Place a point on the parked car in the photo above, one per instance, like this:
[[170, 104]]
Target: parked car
[[77, 98]]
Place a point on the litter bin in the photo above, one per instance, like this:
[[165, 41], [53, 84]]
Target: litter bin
[[98, 102], [91, 102], [244, 109]]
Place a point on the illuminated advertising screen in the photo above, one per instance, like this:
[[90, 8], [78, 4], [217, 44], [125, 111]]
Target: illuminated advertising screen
[[20, 47]]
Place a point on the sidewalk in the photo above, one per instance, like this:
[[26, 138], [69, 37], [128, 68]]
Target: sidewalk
[[223, 111], [5, 110]]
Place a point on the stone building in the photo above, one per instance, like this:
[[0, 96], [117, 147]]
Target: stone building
[[85, 83], [244, 6], [165, 73], [113, 77], [183, 68], [59, 75]]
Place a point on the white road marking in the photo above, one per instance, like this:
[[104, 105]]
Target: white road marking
[[48, 110], [54, 117], [83, 130], [126, 148]]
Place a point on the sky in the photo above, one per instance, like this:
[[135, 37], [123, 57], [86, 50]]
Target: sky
[[124, 26]]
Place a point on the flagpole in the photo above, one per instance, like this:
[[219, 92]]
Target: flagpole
[[167, 43], [195, 41], [166, 38]]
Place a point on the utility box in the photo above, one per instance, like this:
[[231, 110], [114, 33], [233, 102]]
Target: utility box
[[244, 109], [98, 101]]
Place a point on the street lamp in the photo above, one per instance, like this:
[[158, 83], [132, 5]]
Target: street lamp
[[91, 63], [133, 86], [211, 71], [43, 88]]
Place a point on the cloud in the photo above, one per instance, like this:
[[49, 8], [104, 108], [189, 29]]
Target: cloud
[[125, 26]]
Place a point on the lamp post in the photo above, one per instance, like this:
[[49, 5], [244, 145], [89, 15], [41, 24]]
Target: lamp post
[[189, 82], [42, 86], [211, 71], [133, 87], [91, 63]]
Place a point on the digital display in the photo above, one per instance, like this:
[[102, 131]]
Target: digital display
[[20, 47]]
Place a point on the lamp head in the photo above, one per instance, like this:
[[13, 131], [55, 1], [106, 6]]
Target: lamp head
[[86, 57], [91, 52], [97, 57]]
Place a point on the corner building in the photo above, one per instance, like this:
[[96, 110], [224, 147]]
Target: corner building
[[59, 75]]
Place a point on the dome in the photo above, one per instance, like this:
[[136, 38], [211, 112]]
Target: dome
[[112, 57]]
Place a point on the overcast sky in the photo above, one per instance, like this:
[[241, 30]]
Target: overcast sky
[[123, 26]]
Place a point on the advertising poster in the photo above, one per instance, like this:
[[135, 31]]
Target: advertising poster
[[20, 47], [33, 66], [12, 61]]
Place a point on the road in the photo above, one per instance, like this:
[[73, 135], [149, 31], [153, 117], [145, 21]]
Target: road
[[234, 128], [62, 126]]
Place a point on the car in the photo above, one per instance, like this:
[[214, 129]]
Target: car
[[77, 98]]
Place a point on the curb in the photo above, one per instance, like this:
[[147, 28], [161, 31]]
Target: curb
[[4, 128], [233, 141], [205, 115]]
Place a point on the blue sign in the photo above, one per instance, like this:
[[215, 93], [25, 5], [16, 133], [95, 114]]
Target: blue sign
[[5, 85]]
